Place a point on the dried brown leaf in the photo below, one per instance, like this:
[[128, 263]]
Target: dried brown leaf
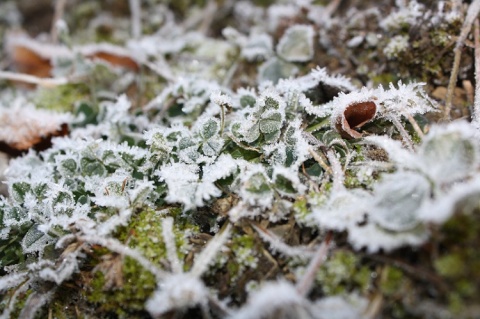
[[353, 117]]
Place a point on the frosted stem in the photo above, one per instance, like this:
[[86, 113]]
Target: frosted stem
[[319, 159], [276, 244], [308, 279], [337, 171], [169, 238], [472, 13], [415, 125], [476, 103], [406, 137], [208, 253]]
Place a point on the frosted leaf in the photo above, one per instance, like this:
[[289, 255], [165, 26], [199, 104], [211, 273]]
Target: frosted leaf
[[179, 291], [318, 77], [160, 149], [395, 150], [398, 199], [181, 180], [210, 128], [296, 45], [446, 204], [287, 181], [245, 98], [404, 99], [374, 238], [189, 155], [92, 167], [256, 189], [269, 299], [11, 280], [341, 210], [35, 240], [117, 112], [258, 47], [223, 167], [275, 69], [341, 307], [185, 186], [251, 134], [449, 153], [270, 122], [141, 193], [212, 146], [22, 125], [61, 272]]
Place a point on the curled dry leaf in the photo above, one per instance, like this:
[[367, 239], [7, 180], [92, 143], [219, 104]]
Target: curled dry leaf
[[355, 116]]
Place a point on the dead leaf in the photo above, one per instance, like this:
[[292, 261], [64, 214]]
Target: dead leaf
[[34, 57], [112, 268], [355, 116], [114, 55], [22, 128]]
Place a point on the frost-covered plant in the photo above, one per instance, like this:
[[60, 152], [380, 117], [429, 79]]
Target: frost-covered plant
[[237, 162]]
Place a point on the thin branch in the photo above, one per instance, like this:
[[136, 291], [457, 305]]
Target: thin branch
[[136, 17], [58, 15], [415, 125], [406, 138], [476, 103], [472, 13]]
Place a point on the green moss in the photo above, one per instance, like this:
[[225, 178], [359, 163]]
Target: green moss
[[450, 265], [61, 98], [391, 281], [459, 260], [144, 233], [342, 273]]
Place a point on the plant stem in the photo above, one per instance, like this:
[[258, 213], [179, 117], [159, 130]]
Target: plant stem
[[305, 284]]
